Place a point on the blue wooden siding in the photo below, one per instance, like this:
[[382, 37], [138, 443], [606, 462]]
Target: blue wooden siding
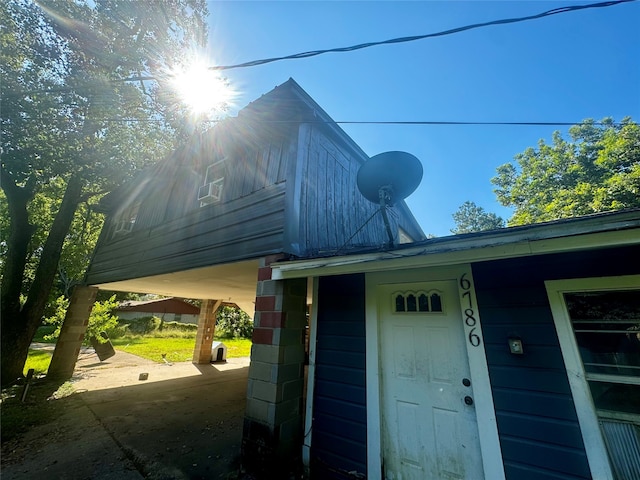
[[339, 435], [537, 422], [289, 186], [252, 225], [331, 213]]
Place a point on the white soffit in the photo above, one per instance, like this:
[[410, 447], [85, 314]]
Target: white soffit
[[233, 282]]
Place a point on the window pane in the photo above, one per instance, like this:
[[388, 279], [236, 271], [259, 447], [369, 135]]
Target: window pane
[[436, 302], [423, 303], [616, 397], [399, 303], [411, 303], [607, 329]]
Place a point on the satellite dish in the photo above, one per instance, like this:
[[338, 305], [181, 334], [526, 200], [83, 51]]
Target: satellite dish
[[388, 178], [397, 174]]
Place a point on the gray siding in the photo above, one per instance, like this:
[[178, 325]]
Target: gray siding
[[288, 187], [239, 229], [172, 232], [339, 434], [537, 422], [333, 214]]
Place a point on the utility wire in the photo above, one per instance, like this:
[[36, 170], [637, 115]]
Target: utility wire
[[313, 53], [390, 122]]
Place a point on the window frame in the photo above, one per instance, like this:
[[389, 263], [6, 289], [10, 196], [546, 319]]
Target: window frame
[[126, 219], [592, 436], [212, 181]]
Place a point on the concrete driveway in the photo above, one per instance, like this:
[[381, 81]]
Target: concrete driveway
[[183, 422]]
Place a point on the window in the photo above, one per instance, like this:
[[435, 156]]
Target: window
[[598, 325], [606, 325], [126, 220], [211, 190], [417, 302]]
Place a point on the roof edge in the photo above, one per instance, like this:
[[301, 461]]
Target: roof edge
[[597, 230]]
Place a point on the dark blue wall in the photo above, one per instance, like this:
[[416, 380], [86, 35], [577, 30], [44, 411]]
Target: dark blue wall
[[339, 436], [537, 422]]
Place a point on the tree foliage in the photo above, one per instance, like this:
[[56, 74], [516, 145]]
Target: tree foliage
[[597, 170], [234, 323], [73, 128], [101, 318], [471, 218]]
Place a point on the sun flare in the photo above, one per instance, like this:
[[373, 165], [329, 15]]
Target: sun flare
[[202, 89]]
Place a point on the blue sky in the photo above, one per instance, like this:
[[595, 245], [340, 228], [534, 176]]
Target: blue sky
[[564, 68]]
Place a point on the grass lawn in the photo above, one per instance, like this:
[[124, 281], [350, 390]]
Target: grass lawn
[[177, 349], [39, 360]]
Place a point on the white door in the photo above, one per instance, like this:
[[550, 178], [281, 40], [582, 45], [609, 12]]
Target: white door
[[429, 428]]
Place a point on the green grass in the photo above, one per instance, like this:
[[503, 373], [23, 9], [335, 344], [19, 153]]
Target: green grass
[[178, 345], [39, 360], [177, 349]]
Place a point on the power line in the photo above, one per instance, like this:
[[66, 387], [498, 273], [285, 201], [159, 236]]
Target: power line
[[313, 53], [392, 122]]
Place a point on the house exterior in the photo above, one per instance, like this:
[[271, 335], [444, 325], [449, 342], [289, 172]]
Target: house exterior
[[506, 354], [168, 309], [276, 182]]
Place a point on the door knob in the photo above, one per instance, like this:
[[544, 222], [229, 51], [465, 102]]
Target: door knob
[[468, 400]]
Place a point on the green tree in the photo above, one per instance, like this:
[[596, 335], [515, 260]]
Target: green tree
[[232, 322], [597, 170], [73, 127], [471, 218], [101, 319]]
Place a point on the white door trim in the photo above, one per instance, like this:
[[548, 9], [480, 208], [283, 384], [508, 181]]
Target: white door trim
[[485, 411], [311, 377], [587, 417]]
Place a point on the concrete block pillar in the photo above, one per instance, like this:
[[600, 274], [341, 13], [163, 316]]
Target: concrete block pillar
[[206, 330], [72, 333], [272, 437]]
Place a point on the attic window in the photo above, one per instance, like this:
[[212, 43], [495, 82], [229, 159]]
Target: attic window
[[126, 220], [409, 302], [211, 190]]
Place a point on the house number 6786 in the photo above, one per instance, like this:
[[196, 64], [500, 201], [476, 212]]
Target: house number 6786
[[469, 312]]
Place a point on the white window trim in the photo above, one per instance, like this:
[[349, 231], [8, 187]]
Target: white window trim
[[585, 409], [483, 396], [215, 181], [126, 219]]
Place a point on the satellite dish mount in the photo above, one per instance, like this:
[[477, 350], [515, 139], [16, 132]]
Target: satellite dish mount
[[387, 178]]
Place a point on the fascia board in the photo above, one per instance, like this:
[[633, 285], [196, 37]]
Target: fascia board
[[454, 252]]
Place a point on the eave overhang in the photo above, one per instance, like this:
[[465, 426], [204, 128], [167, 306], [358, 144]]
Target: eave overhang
[[568, 235]]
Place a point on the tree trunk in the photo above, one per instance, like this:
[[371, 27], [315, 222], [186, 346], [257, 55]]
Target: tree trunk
[[19, 325]]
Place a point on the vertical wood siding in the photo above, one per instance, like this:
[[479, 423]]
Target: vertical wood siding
[[339, 435], [537, 422], [334, 214]]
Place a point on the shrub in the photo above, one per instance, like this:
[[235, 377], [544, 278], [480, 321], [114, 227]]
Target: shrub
[[141, 325], [100, 320], [232, 322], [180, 327]]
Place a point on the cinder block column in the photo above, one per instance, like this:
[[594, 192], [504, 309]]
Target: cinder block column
[[206, 330], [72, 333], [272, 437]]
